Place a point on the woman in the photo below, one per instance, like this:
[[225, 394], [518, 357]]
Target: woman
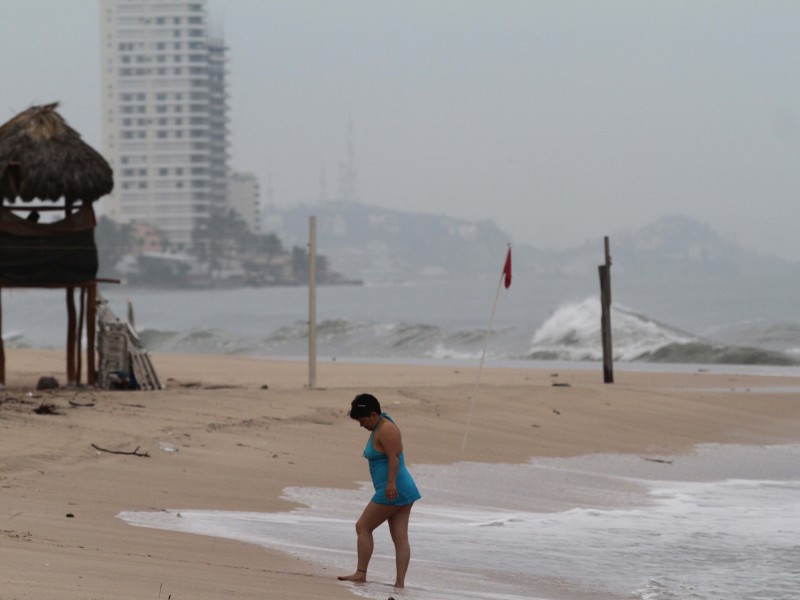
[[395, 490]]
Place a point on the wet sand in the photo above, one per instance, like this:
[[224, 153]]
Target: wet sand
[[230, 433]]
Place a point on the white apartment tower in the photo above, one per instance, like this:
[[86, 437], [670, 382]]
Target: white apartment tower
[[164, 114], [244, 196]]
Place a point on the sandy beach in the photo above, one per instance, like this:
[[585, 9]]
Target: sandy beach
[[231, 433]]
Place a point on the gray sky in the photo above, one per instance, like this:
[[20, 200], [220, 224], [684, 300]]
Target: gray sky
[[561, 120]]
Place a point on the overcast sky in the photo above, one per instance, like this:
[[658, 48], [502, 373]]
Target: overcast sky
[[563, 121]]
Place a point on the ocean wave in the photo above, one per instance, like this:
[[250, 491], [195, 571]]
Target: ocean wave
[[443, 352], [198, 340], [15, 339], [336, 337], [762, 332], [573, 333], [706, 353]]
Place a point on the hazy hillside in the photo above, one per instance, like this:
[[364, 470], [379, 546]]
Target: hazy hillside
[[673, 246], [378, 244]]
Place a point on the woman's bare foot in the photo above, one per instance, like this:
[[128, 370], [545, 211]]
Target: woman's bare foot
[[357, 577]]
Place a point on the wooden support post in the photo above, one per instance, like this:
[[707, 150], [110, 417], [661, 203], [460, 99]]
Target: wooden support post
[[312, 302], [79, 337], [91, 316], [2, 345], [71, 336], [605, 319]]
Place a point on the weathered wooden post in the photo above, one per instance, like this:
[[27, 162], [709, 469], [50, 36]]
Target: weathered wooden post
[[2, 346], [91, 323], [71, 331], [605, 318], [79, 336], [312, 302]]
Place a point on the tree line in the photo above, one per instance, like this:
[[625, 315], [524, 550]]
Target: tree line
[[223, 251]]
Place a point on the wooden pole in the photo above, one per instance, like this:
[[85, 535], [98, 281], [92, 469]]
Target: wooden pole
[[79, 336], [14, 175], [91, 316], [71, 336], [2, 345], [312, 302], [605, 318]]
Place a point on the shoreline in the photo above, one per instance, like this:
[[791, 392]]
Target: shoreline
[[776, 370], [535, 520], [239, 445]]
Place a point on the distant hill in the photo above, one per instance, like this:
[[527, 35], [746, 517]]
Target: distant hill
[[671, 246], [378, 244]]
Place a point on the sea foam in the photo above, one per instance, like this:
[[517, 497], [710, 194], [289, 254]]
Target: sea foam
[[720, 523]]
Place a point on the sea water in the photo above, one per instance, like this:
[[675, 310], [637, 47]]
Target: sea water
[[722, 523], [557, 319]]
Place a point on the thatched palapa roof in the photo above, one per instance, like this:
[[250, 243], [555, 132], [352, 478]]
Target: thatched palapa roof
[[43, 157]]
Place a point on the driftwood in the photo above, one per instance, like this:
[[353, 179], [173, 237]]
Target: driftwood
[[134, 453], [79, 404], [657, 460]]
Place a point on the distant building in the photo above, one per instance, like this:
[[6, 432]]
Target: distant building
[[146, 238], [217, 122], [244, 197], [164, 113]]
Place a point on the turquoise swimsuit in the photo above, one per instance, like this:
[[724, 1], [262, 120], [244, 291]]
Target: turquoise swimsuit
[[407, 491]]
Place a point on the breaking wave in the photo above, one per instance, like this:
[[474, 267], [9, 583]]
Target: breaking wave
[[15, 339], [336, 337], [571, 333], [437, 322]]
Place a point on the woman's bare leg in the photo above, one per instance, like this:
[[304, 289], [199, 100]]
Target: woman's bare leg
[[373, 515], [398, 527]]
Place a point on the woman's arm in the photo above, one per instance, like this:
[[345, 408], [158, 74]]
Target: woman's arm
[[392, 444]]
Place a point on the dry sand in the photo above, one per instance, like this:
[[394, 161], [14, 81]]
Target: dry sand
[[240, 444]]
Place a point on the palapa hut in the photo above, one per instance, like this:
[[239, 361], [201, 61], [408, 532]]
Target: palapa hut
[[46, 166]]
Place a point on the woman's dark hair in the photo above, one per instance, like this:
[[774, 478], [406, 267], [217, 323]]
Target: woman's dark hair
[[364, 405]]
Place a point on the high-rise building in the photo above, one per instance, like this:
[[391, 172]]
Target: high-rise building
[[217, 122], [164, 113], [244, 196]]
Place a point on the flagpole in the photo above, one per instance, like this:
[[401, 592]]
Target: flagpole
[[505, 275]]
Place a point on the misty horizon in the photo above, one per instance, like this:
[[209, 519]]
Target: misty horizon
[[560, 122]]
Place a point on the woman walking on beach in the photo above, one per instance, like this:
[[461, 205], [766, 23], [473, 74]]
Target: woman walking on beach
[[395, 490]]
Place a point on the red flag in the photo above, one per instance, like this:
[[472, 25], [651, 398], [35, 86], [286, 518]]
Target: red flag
[[507, 268]]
